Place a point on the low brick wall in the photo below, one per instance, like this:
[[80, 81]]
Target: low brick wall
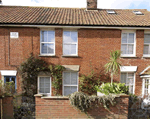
[[60, 107], [7, 108]]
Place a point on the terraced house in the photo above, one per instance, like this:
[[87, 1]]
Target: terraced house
[[76, 38]]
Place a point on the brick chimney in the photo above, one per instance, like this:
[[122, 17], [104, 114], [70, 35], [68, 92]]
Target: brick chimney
[[91, 4]]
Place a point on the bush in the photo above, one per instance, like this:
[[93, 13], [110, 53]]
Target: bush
[[115, 88]]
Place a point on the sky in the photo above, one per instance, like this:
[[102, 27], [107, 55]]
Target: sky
[[104, 4]]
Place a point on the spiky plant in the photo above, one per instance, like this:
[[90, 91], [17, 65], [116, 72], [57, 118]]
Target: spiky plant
[[113, 66]]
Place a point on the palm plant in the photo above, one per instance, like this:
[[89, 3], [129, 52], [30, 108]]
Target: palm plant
[[113, 66]]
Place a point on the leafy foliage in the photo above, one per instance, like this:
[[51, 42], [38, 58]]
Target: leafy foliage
[[87, 83], [113, 66], [83, 102], [7, 89], [114, 88], [29, 71], [56, 72]]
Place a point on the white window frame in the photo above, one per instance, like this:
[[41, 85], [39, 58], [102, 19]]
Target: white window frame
[[48, 43], [143, 85], [70, 85], [134, 49], [146, 55], [49, 94], [71, 43], [133, 79]]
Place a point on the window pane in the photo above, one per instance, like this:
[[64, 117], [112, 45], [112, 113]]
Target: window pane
[[41, 85], [66, 49], [146, 49], [147, 38], [124, 38], [44, 85], [41, 90], [67, 78], [131, 38], [51, 36], [73, 49], [130, 49], [74, 78], [44, 48], [123, 78], [66, 37], [7, 79], [13, 79], [124, 49], [73, 89], [50, 48], [44, 36], [73, 36], [67, 90], [47, 90], [131, 89]]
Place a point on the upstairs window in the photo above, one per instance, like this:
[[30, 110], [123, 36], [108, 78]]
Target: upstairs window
[[47, 42], [146, 51], [128, 44], [70, 43], [111, 12], [138, 13]]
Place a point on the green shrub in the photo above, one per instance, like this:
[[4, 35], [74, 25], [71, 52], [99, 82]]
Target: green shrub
[[115, 88]]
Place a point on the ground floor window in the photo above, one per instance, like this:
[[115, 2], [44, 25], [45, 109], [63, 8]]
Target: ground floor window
[[146, 86], [128, 79], [9, 79], [70, 82], [44, 85]]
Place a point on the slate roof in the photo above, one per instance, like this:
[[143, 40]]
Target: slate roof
[[72, 16]]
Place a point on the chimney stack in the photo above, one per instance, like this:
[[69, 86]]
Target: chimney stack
[[91, 4]]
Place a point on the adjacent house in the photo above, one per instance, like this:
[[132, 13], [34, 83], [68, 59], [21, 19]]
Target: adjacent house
[[76, 38]]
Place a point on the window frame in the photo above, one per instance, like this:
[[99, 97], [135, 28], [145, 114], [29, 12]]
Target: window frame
[[146, 55], [134, 74], [70, 43], [134, 44], [38, 88], [10, 80], [42, 54], [143, 85], [70, 85]]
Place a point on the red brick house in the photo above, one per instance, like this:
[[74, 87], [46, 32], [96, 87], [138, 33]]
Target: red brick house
[[76, 38]]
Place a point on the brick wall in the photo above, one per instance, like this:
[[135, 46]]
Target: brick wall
[[94, 46], [53, 107]]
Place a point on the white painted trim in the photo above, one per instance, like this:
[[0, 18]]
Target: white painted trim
[[76, 27], [144, 76], [39, 85], [47, 42], [134, 50], [128, 68], [8, 72], [69, 43], [144, 70], [70, 85]]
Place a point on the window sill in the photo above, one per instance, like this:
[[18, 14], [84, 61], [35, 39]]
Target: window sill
[[70, 56], [128, 56], [47, 55], [146, 56]]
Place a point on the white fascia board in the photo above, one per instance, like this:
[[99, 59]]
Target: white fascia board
[[128, 68], [8, 72], [144, 70], [75, 27], [145, 76]]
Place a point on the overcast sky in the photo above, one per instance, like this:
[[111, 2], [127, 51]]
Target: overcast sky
[[109, 4]]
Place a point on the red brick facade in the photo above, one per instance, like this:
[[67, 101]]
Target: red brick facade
[[94, 46]]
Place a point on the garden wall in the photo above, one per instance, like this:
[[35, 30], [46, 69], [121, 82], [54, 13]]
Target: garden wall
[[7, 108], [60, 107]]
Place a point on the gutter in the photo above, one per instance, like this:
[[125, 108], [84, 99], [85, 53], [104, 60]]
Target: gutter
[[75, 27]]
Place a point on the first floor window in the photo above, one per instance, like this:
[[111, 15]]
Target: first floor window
[[44, 85], [9, 79], [128, 79], [70, 82], [146, 86], [146, 50]]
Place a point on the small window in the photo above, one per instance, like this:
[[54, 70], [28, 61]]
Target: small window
[[146, 86], [70, 43], [128, 79], [9, 79], [128, 44], [111, 12], [44, 86], [47, 42], [146, 51], [137, 12], [70, 82]]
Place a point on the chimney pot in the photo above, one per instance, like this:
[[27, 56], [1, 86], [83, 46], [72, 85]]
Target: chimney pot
[[91, 4]]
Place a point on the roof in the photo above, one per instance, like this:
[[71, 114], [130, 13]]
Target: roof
[[72, 16]]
